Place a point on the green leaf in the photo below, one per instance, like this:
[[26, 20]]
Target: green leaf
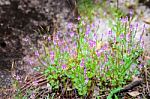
[[113, 92]]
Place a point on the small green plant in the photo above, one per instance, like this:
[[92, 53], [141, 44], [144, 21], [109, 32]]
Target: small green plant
[[86, 61], [89, 59]]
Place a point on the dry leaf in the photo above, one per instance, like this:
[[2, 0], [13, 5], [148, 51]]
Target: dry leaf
[[134, 93]]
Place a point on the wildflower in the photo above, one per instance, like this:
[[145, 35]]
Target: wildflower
[[64, 66], [70, 25], [131, 27], [98, 52], [110, 33], [51, 53], [95, 37], [86, 80], [92, 43], [121, 36], [83, 23], [31, 62], [54, 42], [87, 30], [124, 20], [129, 51], [142, 43], [17, 77], [136, 26], [79, 18], [144, 28], [72, 34], [82, 63], [85, 71], [114, 39], [104, 47], [49, 39], [106, 58], [141, 66], [128, 36], [131, 12], [52, 56], [37, 53]]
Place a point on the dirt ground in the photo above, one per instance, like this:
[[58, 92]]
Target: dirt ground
[[18, 21]]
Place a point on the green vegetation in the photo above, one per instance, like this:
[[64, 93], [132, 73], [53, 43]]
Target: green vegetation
[[90, 62]]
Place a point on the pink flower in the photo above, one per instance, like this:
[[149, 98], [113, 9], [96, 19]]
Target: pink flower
[[49, 38], [92, 43], [64, 66], [121, 36], [79, 18], [52, 54], [86, 80], [37, 53], [82, 63], [72, 34], [128, 36], [98, 52]]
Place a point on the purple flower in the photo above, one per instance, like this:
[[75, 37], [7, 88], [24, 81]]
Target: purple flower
[[131, 12], [17, 77], [82, 63], [124, 20], [121, 36], [87, 30], [98, 52], [70, 25], [110, 33], [86, 80], [31, 62], [95, 36], [142, 43], [106, 58], [129, 51], [136, 26], [128, 36], [92, 43], [104, 47], [79, 18], [51, 53], [144, 27], [54, 42], [131, 27], [64, 66], [52, 56], [37, 53], [141, 66], [114, 39], [49, 39], [85, 71], [72, 34]]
